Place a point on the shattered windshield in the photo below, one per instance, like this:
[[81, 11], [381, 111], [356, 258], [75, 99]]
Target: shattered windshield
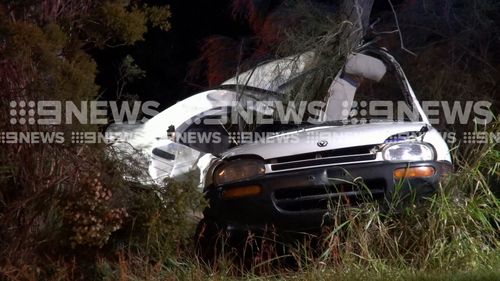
[[366, 90], [380, 102]]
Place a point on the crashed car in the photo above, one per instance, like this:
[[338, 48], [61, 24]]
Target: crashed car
[[291, 178]]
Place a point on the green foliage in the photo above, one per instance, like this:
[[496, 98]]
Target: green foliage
[[159, 17], [128, 72], [51, 71], [162, 219], [117, 21], [60, 202], [88, 211]]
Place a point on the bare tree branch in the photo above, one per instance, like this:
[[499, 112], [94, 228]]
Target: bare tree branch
[[399, 30]]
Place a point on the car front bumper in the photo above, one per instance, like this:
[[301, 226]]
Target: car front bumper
[[301, 200]]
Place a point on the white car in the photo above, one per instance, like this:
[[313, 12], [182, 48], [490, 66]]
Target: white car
[[292, 175]]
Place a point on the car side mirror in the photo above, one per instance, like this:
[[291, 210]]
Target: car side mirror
[[171, 133]]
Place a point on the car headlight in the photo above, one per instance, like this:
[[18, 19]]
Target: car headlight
[[237, 170], [408, 151]]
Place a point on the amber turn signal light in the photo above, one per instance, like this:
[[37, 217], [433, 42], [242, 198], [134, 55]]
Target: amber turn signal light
[[414, 172], [243, 191]]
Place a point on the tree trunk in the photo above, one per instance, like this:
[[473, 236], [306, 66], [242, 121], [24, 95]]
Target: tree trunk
[[357, 13]]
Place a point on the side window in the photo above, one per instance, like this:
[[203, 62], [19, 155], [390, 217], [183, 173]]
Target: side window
[[208, 136]]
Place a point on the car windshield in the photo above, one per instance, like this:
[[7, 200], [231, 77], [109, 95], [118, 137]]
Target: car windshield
[[381, 101], [369, 88]]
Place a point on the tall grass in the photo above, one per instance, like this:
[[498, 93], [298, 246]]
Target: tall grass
[[452, 235]]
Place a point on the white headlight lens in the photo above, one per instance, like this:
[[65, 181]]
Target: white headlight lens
[[408, 151], [237, 170]]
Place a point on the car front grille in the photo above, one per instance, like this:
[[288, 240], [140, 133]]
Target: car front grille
[[325, 197], [322, 158]]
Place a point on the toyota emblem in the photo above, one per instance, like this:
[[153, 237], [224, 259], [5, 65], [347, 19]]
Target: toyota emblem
[[322, 143]]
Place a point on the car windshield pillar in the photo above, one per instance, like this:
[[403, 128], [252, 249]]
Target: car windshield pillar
[[340, 98]]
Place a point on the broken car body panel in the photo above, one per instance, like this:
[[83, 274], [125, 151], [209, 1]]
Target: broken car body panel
[[170, 159], [293, 180], [290, 179]]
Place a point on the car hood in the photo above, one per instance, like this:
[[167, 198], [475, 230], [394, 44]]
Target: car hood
[[319, 138]]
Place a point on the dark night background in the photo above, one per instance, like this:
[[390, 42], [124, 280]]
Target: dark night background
[[168, 57]]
